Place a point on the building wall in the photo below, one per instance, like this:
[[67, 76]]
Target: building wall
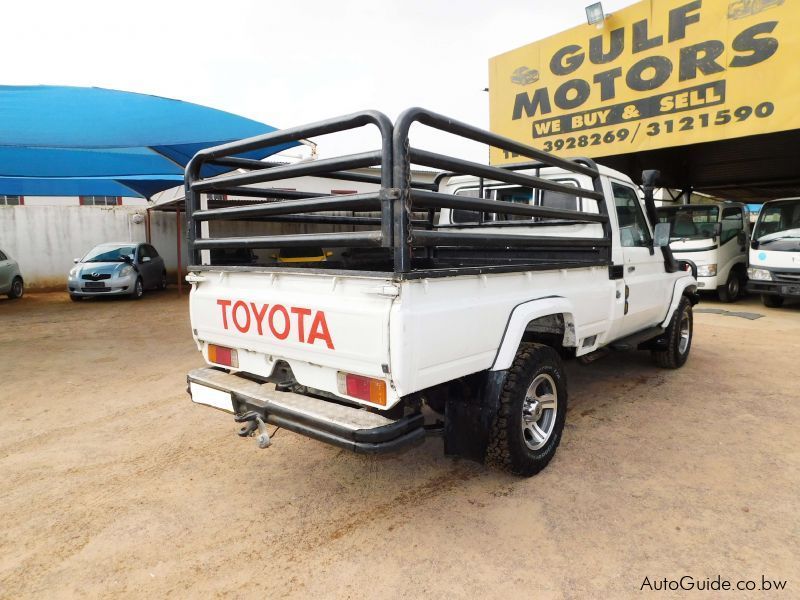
[[74, 201], [45, 239], [164, 236]]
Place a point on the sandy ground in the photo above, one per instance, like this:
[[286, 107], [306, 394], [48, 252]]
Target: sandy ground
[[114, 484]]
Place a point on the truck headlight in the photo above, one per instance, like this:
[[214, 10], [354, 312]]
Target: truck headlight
[[125, 271], [759, 274], [706, 270]]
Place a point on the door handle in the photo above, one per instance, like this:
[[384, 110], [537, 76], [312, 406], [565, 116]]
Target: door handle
[[631, 269]]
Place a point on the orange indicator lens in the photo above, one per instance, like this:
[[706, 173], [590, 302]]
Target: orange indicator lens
[[364, 388]]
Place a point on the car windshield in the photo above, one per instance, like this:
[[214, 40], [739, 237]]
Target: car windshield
[[778, 221], [110, 254], [689, 222]]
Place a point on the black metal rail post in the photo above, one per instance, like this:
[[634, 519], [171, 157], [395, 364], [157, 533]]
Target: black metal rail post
[[405, 155], [225, 155], [412, 240]]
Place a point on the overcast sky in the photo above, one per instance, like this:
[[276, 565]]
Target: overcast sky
[[286, 63]]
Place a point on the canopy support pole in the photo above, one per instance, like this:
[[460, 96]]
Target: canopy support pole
[[147, 226]]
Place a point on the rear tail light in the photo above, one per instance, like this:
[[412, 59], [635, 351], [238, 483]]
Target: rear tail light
[[363, 388], [223, 356]]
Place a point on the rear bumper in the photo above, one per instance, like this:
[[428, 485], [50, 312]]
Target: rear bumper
[[341, 425]]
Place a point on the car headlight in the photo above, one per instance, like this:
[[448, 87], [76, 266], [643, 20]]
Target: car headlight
[[706, 270], [125, 271], [759, 274], [73, 272]]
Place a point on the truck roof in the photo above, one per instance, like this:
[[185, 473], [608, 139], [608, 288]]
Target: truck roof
[[543, 172], [725, 203]]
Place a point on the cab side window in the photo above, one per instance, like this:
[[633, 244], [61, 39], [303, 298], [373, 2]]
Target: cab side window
[[732, 224], [633, 230]]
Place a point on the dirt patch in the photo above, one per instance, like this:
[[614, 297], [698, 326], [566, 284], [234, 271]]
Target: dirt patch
[[114, 484]]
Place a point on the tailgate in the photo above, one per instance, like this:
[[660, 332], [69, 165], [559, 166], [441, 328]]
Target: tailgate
[[319, 324]]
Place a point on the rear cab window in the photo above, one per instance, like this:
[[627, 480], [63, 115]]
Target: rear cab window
[[522, 195]]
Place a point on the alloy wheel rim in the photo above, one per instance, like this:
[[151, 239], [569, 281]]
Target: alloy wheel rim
[[685, 333], [539, 411]]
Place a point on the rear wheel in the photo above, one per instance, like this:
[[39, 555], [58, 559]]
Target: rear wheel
[[533, 407], [17, 288], [138, 289], [679, 338], [732, 289], [771, 301]]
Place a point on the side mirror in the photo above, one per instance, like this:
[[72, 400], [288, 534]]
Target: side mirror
[[661, 235], [717, 231], [76, 260], [649, 179], [754, 244], [741, 238]]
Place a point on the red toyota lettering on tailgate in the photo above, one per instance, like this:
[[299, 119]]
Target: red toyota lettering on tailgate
[[279, 321]]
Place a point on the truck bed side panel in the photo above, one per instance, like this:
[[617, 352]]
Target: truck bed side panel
[[442, 329]]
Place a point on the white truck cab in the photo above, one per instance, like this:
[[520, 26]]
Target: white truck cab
[[714, 237], [775, 253]]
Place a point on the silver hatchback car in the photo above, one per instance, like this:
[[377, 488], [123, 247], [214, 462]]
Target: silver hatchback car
[[117, 269], [11, 282]]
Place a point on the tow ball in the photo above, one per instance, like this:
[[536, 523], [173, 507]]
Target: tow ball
[[253, 421]]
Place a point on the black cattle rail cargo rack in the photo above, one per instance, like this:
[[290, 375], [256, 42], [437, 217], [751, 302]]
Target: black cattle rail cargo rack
[[401, 235]]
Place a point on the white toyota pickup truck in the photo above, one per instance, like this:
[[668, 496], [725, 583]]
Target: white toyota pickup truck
[[417, 309]]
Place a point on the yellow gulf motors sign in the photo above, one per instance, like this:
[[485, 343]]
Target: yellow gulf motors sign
[[659, 73]]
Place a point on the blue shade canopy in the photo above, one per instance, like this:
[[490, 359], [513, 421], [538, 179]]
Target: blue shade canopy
[[134, 186], [57, 141]]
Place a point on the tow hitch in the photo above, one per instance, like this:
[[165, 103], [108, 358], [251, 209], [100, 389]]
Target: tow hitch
[[262, 406], [252, 422]]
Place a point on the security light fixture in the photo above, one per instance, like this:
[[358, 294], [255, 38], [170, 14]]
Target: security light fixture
[[594, 14]]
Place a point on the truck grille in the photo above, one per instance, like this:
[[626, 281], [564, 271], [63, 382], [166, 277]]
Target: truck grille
[[786, 276]]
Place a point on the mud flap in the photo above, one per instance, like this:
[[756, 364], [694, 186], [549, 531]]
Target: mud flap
[[469, 416]]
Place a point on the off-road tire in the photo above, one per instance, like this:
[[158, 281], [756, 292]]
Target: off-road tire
[[138, 289], [507, 449], [675, 354], [17, 289], [771, 301], [732, 290]]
